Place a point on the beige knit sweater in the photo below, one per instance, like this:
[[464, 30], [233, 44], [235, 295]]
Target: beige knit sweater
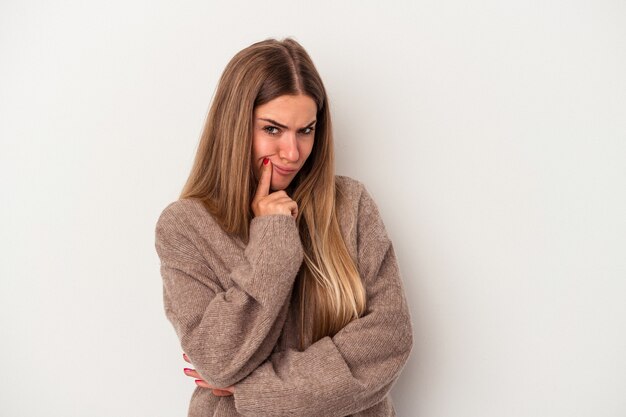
[[233, 309]]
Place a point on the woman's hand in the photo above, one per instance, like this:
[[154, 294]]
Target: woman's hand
[[277, 202], [220, 392]]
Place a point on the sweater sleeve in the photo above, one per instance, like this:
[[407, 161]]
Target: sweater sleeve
[[354, 369], [228, 333]]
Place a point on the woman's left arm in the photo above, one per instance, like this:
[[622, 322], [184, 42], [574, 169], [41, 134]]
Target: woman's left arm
[[357, 367]]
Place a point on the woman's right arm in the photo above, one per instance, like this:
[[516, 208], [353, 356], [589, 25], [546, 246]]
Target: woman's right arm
[[228, 334]]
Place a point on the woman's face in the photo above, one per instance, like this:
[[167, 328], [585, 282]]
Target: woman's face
[[284, 133]]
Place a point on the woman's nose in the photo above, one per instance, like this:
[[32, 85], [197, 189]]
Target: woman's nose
[[289, 147]]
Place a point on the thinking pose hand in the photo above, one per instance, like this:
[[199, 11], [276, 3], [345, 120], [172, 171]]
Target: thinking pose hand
[[264, 203], [277, 202]]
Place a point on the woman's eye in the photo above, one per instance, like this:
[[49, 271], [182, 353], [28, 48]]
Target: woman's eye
[[272, 130], [307, 130]]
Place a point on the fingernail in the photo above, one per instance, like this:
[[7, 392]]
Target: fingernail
[[266, 161], [198, 381], [185, 370]]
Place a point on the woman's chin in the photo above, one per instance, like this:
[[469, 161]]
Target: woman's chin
[[279, 185]]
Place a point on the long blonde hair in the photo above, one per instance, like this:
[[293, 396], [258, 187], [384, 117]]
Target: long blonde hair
[[329, 288]]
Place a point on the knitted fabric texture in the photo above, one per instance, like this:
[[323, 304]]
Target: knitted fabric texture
[[233, 308]]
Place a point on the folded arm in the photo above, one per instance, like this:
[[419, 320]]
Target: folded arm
[[354, 369], [228, 333]]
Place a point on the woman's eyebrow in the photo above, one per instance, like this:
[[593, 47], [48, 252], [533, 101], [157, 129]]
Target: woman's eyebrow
[[274, 122]]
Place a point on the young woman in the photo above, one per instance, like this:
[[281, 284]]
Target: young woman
[[278, 276]]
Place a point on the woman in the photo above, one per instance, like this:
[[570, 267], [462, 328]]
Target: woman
[[278, 276]]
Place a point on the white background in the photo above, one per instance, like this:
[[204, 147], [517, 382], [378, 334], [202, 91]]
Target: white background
[[491, 134]]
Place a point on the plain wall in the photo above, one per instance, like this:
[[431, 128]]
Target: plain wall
[[491, 134]]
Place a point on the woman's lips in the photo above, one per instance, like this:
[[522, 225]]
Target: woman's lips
[[284, 171]]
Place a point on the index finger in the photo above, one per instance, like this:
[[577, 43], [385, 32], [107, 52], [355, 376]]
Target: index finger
[[263, 188]]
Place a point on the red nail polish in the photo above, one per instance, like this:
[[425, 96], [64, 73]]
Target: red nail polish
[[266, 161], [198, 380], [185, 370]]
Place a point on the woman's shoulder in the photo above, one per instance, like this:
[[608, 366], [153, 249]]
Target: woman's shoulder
[[358, 214], [348, 187], [352, 190], [353, 195], [185, 213], [183, 208]]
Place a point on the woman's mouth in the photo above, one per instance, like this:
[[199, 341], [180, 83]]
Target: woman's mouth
[[284, 171]]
